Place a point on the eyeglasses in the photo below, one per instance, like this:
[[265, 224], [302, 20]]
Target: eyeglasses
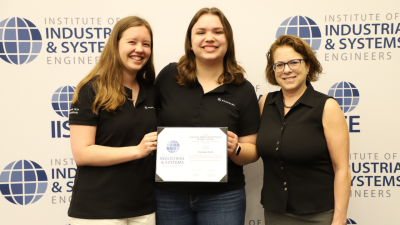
[[292, 64]]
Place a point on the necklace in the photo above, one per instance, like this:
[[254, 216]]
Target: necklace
[[286, 105]]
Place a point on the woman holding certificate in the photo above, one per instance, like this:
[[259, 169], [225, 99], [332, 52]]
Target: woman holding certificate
[[113, 120], [207, 88]]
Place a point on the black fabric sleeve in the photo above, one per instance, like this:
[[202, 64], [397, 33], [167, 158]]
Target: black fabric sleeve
[[249, 121], [163, 80], [81, 111]]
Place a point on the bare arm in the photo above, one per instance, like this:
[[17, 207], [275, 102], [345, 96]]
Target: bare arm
[[248, 154], [86, 153], [337, 138]]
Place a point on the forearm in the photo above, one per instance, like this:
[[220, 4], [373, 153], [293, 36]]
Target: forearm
[[342, 185], [97, 155], [247, 155]]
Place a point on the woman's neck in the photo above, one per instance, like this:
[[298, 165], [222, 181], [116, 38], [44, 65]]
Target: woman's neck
[[291, 96], [129, 80], [209, 71]]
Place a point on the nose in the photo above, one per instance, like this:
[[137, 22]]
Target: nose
[[139, 48], [209, 37], [286, 68]]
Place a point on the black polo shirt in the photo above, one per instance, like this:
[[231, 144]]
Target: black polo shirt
[[232, 106], [298, 172], [123, 190]]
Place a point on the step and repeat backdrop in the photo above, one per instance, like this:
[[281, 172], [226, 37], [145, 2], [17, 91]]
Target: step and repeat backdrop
[[46, 47]]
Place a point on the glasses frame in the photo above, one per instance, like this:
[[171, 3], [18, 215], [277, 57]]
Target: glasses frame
[[284, 64]]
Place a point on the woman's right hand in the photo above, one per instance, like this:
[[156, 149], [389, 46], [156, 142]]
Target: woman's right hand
[[148, 144]]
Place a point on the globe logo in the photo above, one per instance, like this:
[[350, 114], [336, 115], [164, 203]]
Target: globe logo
[[350, 221], [346, 94], [20, 41], [61, 100], [23, 182], [303, 27], [173, 146]]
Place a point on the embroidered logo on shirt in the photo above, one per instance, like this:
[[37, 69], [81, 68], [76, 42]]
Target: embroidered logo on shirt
[[221, 100], [148, 107], [74, 111]]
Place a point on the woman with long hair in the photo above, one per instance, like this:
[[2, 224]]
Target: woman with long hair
[[207, 88], [112, 122]]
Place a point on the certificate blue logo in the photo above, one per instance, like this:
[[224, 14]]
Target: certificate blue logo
[[173, 146]]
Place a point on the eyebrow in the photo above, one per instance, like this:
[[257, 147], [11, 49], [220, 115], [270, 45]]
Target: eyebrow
[[137, 39], [215, 28]]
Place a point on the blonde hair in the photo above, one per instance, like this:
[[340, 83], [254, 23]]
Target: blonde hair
[[106, 76], [233, 73]]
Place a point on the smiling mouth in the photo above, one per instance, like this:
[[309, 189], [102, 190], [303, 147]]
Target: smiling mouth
[[209, 47], [137, 58], [289, 78]]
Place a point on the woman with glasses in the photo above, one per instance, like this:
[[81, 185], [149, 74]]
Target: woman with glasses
[[303, 141], [207, 88]]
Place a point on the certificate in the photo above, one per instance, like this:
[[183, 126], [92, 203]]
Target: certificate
[[192, 154]]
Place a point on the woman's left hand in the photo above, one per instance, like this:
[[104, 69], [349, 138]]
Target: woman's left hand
[[232, 143]]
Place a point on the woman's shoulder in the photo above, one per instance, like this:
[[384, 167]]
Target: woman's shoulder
[[89, 88], [167, 73], [169, 69], [320, 95]]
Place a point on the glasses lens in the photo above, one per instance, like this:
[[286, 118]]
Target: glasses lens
[[294, 64], [278, 67]]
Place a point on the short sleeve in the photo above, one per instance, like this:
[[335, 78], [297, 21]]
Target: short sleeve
[[163, 81], [81, 111], [249, 120]]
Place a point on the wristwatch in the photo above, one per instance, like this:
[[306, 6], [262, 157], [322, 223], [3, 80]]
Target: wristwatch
[[236, 152]]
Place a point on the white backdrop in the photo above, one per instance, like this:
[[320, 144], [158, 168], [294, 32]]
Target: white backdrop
[[33, 131]]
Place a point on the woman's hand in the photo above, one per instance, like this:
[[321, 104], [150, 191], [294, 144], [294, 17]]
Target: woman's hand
[[147, 145], [232, 143]]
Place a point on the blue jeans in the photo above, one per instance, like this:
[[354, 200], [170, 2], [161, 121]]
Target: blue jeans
[[203, 209]]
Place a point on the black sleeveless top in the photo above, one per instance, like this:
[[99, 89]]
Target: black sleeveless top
[[298, 172]]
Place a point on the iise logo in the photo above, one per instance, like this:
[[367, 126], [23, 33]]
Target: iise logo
[[347, 96], [303, 27], [61, 103], [23, 182], [172, 146], [20, 41], [350, 221]]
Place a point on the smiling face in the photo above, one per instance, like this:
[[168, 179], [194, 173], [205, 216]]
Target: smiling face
[[134, 49], [208, 40], [290, 80]]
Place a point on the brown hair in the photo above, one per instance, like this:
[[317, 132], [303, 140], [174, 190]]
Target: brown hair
[[233, 73], [107, 74], [301, 47]]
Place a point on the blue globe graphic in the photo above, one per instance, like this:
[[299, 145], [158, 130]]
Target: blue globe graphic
[[173, 146], [23, 182], [346, 94], [20, 41], [350, 221], [303, 27], [61, 100]]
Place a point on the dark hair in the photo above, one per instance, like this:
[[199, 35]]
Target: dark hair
[[301, 47], [233, 73]]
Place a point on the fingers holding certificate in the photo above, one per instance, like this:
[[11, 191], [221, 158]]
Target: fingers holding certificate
[[192, 154]]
